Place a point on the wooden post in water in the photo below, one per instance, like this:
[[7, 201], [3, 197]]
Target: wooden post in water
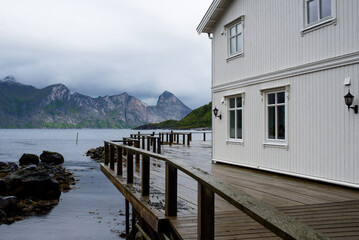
[[171, 191], [145, 184], [77, 138], [112, 157], [106, 154], [127, 217], [204, 136], [205, 227], [129, 167], [119, 161], [133, 227]]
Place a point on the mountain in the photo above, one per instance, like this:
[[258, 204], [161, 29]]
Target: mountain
[[198, 118], [24, 106]]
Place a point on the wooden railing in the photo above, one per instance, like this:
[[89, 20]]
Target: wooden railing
[[275, 221]]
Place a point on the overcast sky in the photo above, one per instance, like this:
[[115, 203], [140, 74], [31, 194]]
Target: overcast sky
[[106, 47]]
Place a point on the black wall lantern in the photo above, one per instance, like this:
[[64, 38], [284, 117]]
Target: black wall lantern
[[215, 112], [349, 101]]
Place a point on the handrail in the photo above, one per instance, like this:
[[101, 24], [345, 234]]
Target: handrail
[[282, 225]]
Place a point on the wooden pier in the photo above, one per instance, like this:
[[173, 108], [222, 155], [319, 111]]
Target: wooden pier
[[180, 194]]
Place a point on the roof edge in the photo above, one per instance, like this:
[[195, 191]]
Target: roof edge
[[203, 25]]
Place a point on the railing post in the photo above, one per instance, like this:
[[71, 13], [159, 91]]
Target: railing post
[[171, 191], [143, 142], [188, 138], [154, 145], [106, 154], [145, 184], [159, 146], [148, 143], [171, 137], [137, 155], [112, 157], [129, 167], [119, 161], [167, 138], [183, 138], [177, 138], [162, 137], [205, 227]]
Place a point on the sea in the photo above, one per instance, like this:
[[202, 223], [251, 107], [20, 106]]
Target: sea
[[93, 209]]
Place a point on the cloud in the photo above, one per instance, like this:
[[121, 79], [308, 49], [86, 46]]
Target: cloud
[[108, 47]]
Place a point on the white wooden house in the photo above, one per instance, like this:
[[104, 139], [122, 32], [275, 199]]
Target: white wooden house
[[280, 70]]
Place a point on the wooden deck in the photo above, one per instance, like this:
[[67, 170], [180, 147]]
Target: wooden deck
[[328, 209]]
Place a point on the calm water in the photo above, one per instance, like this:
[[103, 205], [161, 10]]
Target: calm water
[[92, 209]]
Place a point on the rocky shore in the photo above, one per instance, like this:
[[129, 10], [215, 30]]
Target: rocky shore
[[33, 187]]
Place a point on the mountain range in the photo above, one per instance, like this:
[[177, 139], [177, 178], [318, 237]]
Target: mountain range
[[24, 106]]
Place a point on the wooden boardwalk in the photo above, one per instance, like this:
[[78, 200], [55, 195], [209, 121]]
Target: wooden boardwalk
[[330, 210]]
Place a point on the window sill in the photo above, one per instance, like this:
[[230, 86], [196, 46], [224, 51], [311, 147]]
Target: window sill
[[324, 23], [234, 142], [282, 145], [235, 56]]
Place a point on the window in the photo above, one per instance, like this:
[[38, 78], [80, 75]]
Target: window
[[235, 110], [317, 11], [235, 39], [275, 116]]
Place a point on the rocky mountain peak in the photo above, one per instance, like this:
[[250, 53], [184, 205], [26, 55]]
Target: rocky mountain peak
[[10, 79], [167, 98]]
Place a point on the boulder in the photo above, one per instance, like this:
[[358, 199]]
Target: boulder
[[51, 157], [8, 202], [34, 185], [3, 186], [27, 159]]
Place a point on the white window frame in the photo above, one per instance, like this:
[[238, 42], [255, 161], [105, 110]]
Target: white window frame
[[278, 143], [321, 22], [236, 22], [229, 109]]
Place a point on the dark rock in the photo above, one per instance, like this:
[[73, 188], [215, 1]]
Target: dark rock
[[8, 202], [3, 165], [35, 185], [3, 186], [51, 158], [2, 216], [31, 167], [96, 153], [12, 166], [27, 159]]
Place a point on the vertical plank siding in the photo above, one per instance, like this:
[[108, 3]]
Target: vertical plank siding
[[323, 137]]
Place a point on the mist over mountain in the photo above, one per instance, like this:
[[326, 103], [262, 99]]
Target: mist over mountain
[[24, 106]]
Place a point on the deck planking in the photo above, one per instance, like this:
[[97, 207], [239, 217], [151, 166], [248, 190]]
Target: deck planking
[[329, 209]]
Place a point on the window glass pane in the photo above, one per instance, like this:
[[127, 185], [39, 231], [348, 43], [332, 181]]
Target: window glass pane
[[239, 43], [281, 122], [233, 45], [232, 31], [325, 8], [232, 103], [312, 11], [280, 97], [271, 98], [239, 28], [239, 124], [271, 122], [239, 101], [231, 124]]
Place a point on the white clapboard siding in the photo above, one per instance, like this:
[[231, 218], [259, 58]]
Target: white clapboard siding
[[273, 39], [323, 137]]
